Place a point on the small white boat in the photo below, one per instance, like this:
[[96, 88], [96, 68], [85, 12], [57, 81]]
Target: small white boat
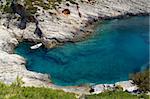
[[36, 46]]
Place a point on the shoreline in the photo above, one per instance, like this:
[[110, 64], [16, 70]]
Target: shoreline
[[66, 29], [126, 84]]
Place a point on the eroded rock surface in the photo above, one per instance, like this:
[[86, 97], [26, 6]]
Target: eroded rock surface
[[56, 27], [13, 65]]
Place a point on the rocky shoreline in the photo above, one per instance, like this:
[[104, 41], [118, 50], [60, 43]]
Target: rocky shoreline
[[57, 27]]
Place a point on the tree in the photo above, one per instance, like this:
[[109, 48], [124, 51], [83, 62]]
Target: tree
[[141, 79]]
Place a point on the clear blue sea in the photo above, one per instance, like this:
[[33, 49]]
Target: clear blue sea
[[116, 49]]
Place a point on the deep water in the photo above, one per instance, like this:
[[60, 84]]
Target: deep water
[[117, 49]]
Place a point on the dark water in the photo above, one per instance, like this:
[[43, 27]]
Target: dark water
[[118, 48]]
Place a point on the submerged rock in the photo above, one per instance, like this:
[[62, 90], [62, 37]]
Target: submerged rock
[[50, 43]]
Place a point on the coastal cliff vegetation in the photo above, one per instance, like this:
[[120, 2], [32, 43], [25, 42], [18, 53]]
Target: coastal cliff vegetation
[[15, 91], [141, 79], [31, 6]]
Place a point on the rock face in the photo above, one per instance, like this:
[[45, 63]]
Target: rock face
[[12, 65], [102, 87], [56, 28], [127, 86]]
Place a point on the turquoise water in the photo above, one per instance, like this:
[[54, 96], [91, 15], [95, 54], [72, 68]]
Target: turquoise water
[[118, 48]]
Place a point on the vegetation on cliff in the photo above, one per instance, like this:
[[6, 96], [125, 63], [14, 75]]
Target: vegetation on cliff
[[5, 8], [15, 91], [31, 6], [141, 79]]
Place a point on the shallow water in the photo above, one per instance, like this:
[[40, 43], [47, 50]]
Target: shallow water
[[118, 48]]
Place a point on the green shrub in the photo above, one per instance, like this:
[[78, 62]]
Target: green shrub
[[31, 4], [11, 92], [141, 79], [6, 8], [18, 82]]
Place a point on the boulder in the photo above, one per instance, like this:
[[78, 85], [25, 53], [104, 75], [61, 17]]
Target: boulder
[[127, 86], [101, 88]]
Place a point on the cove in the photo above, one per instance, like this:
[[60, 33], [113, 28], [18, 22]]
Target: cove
[[116, 49]]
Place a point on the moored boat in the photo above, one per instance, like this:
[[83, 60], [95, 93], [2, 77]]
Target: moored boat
[[36, 46]]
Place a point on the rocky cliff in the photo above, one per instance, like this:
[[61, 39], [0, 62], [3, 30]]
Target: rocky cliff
[[66, 21]]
